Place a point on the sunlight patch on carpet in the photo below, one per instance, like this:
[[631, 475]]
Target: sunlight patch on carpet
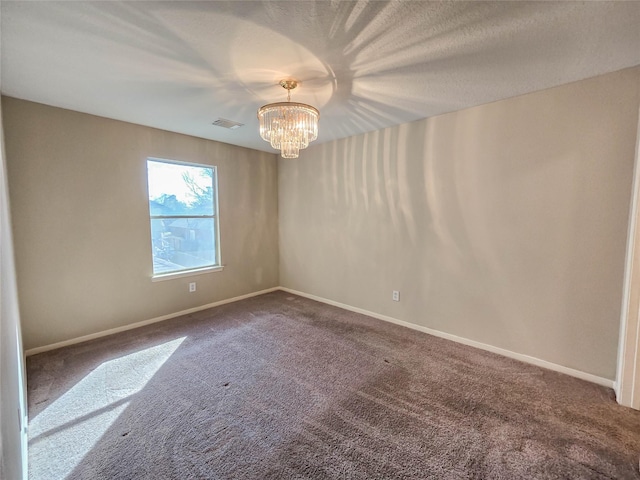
[[64, 432]]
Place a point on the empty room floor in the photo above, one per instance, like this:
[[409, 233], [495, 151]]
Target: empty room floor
[[278, 387]]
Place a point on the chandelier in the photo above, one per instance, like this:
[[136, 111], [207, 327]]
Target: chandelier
[[288, 126]]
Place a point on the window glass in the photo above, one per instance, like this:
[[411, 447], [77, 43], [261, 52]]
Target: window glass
[[183, 216]]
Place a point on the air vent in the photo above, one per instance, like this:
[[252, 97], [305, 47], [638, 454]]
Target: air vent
[[224, 123]]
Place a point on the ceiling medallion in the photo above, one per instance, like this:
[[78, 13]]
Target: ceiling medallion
[[288, 126]]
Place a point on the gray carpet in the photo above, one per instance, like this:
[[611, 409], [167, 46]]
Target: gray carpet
[[282, 387]]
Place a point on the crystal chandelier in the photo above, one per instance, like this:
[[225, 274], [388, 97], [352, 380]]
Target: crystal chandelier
[[288, 126]]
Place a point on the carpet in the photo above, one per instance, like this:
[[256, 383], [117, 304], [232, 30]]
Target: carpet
[[282, 387]]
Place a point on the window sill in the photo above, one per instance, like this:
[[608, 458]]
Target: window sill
[[189, 273]]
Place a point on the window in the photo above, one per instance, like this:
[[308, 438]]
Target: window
[[183, 213]]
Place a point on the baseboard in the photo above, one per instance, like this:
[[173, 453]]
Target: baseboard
[[483, 346], [605, 382], [124, 328]]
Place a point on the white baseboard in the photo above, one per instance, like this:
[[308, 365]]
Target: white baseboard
[[605, 382], [483, 346], [111, 331]]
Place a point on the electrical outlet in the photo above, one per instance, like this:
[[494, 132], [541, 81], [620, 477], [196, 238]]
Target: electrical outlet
[[395, 296], [192, 287]]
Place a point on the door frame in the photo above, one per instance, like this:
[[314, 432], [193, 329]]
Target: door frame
[[627, 384]]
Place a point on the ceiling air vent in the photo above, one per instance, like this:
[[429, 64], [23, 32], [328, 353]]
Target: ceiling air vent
[[224, 123]]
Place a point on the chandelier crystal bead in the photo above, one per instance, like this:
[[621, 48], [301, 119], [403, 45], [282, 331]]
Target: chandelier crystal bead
[[288, 126]]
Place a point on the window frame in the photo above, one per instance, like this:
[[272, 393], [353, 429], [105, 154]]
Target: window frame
[[187, 272]]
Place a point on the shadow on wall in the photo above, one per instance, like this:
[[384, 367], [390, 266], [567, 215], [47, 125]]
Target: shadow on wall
[[498, 224]]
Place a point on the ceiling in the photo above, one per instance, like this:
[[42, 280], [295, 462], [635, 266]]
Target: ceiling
[[365, 65]]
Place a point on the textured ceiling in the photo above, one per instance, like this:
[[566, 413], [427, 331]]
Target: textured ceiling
[[366, 65]]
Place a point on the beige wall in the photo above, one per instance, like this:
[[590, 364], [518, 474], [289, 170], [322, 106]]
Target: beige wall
[[504, 223], [81, 221], [13, 407]]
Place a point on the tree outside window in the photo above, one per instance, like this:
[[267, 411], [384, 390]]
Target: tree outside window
[[183, 214]]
